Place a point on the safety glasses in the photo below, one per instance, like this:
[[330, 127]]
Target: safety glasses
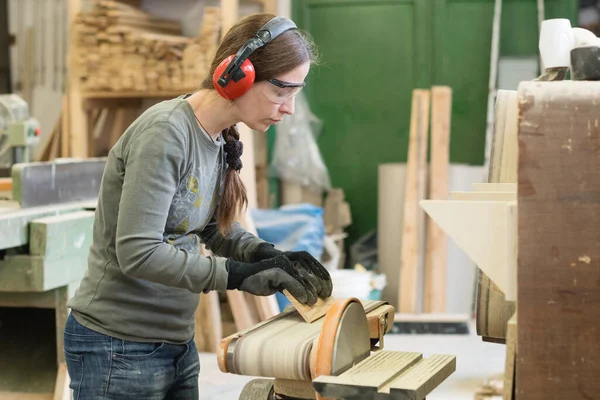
[[279, 92]]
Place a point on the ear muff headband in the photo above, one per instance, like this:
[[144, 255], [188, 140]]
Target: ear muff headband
[[235, 75]]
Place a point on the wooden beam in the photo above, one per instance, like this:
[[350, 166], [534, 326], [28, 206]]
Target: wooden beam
[[230, 14], [77, 127], [492, 308], [437, 249], [24, 273], [413, 238], [61, 236], [14, 225]]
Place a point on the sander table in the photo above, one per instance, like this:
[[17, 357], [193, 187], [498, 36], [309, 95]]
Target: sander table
[[338, 356]]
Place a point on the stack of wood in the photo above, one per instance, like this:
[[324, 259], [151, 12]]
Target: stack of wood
[[123, 48]]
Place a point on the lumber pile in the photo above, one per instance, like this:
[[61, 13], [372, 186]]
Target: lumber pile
[[124, 48]]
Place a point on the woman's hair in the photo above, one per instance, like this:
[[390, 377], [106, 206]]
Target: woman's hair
[[284, 53]]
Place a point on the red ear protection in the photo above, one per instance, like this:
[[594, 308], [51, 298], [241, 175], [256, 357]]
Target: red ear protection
[[235, 75], [234, 88]]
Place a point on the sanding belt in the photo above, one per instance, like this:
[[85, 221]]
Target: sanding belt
[[280, 347]]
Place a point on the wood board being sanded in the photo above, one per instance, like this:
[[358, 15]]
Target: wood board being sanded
[[311, 313]]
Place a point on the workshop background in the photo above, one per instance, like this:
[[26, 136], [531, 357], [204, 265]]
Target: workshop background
[[331, 179]]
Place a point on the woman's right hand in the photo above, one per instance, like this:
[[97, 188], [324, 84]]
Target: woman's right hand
[[269, 276]]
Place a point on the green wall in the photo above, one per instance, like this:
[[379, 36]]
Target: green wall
[[375, 52]]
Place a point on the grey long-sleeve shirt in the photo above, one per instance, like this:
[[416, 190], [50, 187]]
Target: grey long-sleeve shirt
[[157, 202]]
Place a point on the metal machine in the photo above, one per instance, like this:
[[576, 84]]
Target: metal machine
[[337, 356], [45, 234], [19, 131]]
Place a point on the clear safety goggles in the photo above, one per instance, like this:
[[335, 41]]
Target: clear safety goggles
[[280, 92]]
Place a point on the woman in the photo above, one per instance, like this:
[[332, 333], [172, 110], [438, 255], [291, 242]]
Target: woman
[[171, 183]]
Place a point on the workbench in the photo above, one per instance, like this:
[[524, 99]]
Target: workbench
[[45, 235]]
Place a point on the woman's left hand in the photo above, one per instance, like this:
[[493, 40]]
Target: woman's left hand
[[311, 268], [317, 274]]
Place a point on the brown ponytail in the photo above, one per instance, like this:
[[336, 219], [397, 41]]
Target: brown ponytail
[[234, 198], [284, 53]]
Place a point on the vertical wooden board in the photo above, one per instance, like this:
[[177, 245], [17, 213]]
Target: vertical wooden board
[[229, 15], [390, 219], [61, 314], [209, 330], [511, 358], [77, 133], [436, 255], [493, 310], [559, 240], [414, 216]]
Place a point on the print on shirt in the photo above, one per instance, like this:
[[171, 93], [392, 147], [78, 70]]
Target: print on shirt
[[188, 210]]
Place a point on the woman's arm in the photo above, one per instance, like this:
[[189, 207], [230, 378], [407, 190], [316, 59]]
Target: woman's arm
[[153, 164], [239, 244]]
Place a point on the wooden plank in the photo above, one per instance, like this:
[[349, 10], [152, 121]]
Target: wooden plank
[[240, 308], [14, 224], [311, 313], [414, 217], [559, 253], [61, 388], [492, 308], [495, 187], [28, 300], [390, 222], [264, 307], [511, 358], [57, 182], [77, 125], [230, 14], [60, 316], [24, 273], [60, 236], [486, 231], [437, 248], [478, 196], [508, 168], [25, 396], [388, 375], [425, 376], [368, 376], [209, 329]]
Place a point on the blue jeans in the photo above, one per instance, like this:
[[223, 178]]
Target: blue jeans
[[103, 367]]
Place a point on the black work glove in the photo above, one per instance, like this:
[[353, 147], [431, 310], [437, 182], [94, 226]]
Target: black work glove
[[317, 274], [266, 277]]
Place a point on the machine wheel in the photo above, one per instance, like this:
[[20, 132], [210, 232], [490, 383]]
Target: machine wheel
[[258, 389]]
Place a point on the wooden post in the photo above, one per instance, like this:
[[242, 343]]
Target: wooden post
[[436, 258], [414, 217], [77, 126]]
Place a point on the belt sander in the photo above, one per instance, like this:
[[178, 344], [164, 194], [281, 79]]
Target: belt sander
[[337, 356]]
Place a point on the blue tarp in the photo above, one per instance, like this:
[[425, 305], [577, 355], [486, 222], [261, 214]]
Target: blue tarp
[[293, 227]]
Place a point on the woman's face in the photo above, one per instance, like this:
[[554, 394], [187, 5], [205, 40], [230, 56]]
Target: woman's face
[[266, 103]]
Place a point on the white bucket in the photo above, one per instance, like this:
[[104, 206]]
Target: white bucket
[[351, 283]]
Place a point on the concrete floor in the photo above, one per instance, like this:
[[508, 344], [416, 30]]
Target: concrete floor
[[476, 362]]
